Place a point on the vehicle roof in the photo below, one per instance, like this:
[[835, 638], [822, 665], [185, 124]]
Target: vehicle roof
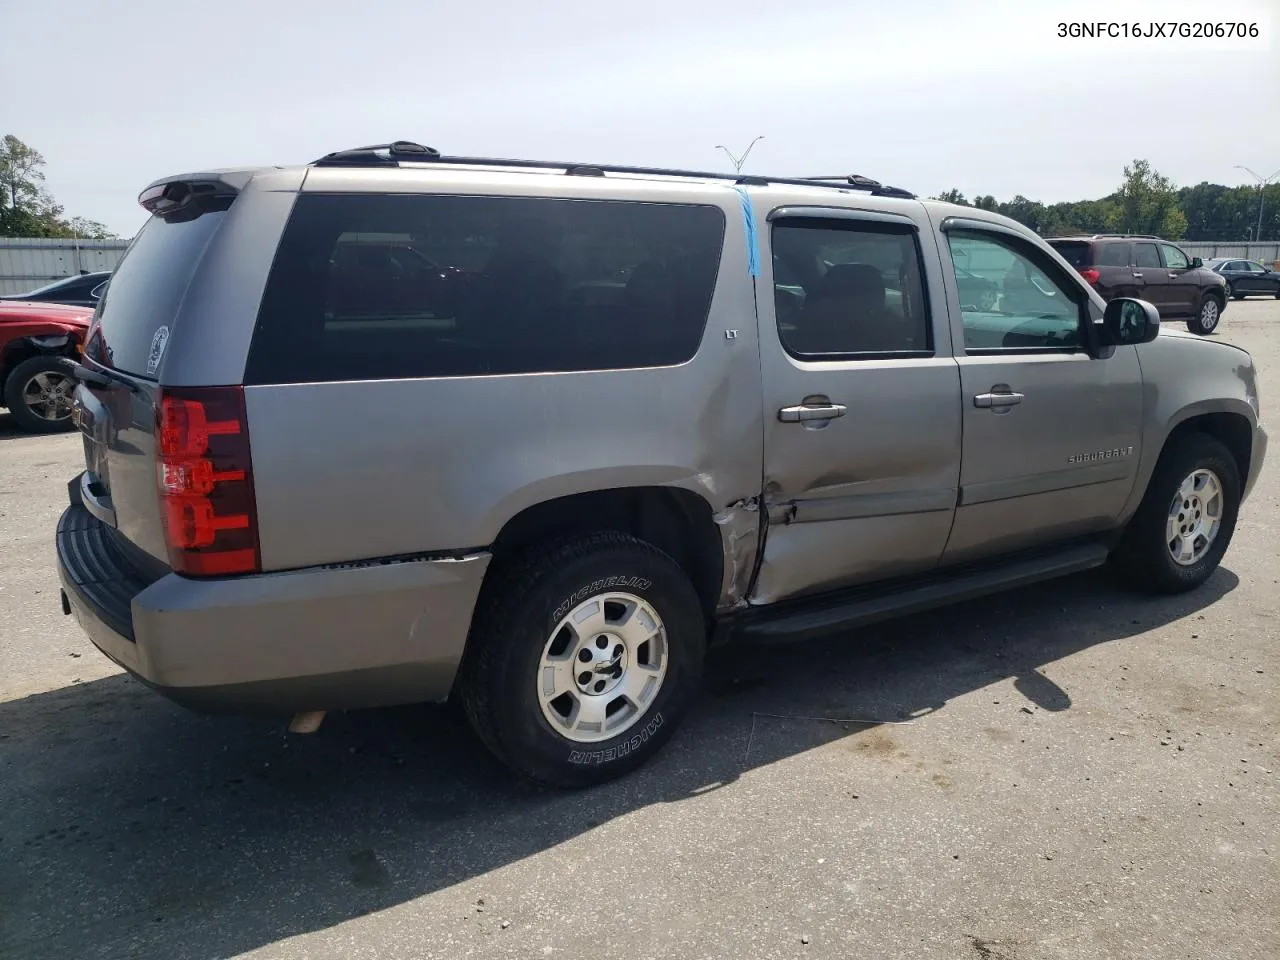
[[491, 171], [559, 179], [404, 155]]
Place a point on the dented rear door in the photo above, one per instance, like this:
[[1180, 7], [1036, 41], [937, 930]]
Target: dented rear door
[[862, 400]]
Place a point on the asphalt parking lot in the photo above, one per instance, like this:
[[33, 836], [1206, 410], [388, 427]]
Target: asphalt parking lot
[[1068, 771]]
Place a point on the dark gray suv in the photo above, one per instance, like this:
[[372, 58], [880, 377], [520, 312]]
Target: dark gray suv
[[1130, 265], [395, 427]]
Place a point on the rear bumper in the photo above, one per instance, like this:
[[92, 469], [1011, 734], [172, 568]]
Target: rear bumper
[[360, 635]]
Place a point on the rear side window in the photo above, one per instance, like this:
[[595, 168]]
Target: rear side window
[[1114, 255], [1076, 254], [375, 287], [146, 290]]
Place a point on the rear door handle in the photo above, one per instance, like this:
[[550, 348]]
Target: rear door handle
[[1001, 399], [1172, 275], [814, 411], [1137, 276]]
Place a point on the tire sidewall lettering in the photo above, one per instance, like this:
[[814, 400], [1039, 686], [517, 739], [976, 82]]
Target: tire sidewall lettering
[[626, 747], [600, 585]]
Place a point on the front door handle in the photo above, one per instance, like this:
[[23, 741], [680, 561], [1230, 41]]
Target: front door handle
[[1002, 398], [1137, 276], [811, 411], [1172, 275]]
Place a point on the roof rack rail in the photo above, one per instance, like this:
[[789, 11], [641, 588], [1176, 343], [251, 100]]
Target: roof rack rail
[[391, 154], [858, 182], [379, 154], [1124, 236], [854, 179]]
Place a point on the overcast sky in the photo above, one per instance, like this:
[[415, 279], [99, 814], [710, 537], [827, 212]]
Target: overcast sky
[[979, 95]]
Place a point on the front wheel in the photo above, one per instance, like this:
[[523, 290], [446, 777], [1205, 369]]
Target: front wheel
[[583, 658], [1184, 525], [38, 394], [1206, 319]]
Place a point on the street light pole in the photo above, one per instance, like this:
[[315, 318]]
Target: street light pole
[[1262, 186], [739, 161]]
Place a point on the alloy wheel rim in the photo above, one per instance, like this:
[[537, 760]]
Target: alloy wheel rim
[[1209, 314], [1195, 517], [602, 667], [48, 396]]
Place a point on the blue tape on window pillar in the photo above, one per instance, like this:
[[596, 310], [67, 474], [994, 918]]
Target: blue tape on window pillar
[[753, 241]]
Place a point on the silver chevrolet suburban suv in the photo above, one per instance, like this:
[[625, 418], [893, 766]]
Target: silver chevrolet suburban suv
[[396, 427]]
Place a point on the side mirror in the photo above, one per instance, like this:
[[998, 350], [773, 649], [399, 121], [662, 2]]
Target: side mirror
[[1197, 262], [1128, 321]]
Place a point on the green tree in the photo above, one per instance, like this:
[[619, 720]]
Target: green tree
[[952, 196], [1147, 202], [1029, 213], [87, 229], [27, 210], [20, 173]]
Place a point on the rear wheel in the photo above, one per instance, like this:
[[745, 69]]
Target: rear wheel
[[583, 658], [1206, 319], [1231, 292], [1182, 529], [38, 393]]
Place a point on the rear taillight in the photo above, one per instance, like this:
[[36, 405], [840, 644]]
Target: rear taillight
[[206, 481], [1090, 275]]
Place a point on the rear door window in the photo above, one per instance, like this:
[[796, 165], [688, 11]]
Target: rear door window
[[146, 291], [372, 287], [845, 289], [1146, 255]]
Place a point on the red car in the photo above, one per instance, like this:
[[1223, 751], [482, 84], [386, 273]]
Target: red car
[[34, 337]]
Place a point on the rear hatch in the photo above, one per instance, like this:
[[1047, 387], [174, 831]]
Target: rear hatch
[[1075, 252], [116, 402]]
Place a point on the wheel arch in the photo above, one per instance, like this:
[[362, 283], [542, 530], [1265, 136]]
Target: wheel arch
[[1227, 421], [675, 520], [1233, 429], [1215, 294], [20, 349]]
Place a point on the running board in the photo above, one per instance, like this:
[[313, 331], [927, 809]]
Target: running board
[[806, 618]]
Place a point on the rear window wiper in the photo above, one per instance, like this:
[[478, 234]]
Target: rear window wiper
[[96, 378]]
